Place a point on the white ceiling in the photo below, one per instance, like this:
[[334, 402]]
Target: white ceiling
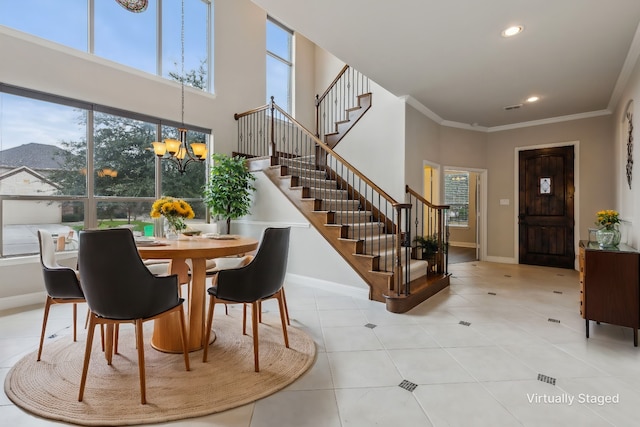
[[448, 58]]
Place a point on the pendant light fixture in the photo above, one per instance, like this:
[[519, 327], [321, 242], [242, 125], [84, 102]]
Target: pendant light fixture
[[178, 151], [135, 6]]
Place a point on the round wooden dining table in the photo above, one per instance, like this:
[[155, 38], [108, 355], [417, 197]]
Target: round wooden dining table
[[166, 330]]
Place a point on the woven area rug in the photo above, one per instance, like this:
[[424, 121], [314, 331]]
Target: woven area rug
[[49, 388]]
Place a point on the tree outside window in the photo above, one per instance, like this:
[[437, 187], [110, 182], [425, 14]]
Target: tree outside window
[[456, 195]]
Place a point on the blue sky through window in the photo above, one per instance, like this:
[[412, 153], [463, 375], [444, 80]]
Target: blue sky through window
[[124, 37]]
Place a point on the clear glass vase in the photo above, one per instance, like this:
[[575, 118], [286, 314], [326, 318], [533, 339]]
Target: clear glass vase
[[608, 237], [171, 230]]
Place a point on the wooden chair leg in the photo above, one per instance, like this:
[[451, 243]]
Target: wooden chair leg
[[207, 331], [140, 345], [86, 320], [244, 319], [47, 305], [286, 309], [75, 321], [87, 356], [183, 334], [282, 307], [254, 322], [108, 348], [116, 334]]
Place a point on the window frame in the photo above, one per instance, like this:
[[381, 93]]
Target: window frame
[[89, 199], [289, 63]]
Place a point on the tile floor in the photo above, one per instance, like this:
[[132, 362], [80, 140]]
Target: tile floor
[[522, 332]]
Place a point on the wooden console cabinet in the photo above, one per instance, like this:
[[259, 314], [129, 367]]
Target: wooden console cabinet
[[610, 286]]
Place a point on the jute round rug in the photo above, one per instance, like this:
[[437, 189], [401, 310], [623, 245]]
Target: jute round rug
[[49, 388]]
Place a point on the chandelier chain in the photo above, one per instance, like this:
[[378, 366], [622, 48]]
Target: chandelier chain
[[182, 61]]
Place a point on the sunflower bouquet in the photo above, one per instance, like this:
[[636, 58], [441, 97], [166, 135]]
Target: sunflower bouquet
[[174, 210], [607, 219]]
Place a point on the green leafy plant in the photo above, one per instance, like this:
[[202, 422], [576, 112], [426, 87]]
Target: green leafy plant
[[428, 244], [228, 191]]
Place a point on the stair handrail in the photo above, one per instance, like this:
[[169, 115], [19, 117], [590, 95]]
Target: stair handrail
[[329, 150], [441, 229], [320, 98], [344, 92], [272, 119]]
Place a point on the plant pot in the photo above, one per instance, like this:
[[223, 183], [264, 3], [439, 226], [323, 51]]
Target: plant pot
[[608, 237]]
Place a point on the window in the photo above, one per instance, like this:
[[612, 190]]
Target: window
[[456, 195], [132, 39], [66, 25], [46, 151], [279, 64]]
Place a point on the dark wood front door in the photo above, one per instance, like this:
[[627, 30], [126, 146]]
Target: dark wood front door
[[546, 211]]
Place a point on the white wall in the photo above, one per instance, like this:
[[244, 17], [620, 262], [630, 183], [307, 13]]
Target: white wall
[[627, 200], [310, 254]]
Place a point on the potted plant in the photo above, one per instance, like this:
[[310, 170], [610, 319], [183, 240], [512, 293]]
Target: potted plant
[[428, 245], [428, 248], [228, 191]]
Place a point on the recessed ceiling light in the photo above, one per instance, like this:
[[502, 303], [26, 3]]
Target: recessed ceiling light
[[533, 98], [512, 31]]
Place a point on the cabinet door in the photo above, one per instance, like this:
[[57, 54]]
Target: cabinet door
[[611, 288], [582, 270]]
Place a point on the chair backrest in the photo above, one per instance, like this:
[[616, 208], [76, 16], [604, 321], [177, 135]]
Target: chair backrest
[[115, 281], [60, 282], [47, 249], [264, 275]]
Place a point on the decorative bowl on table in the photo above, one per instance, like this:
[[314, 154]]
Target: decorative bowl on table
[[191, 232]]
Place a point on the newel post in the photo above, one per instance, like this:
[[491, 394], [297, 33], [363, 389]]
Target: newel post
[[402, 240], [272, 138]]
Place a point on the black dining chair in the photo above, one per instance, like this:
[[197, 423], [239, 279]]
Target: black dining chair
[[61, 283], [259, 280], [119, 289]]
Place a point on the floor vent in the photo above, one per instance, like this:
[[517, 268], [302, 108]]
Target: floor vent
[[546, 379], [370, 325], [408, 385], [554, 320], [491, 293], [462, 322], [507, 275], [557, 292]]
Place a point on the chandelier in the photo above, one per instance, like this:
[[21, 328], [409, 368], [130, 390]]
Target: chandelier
[[135, 6], [178, 151]]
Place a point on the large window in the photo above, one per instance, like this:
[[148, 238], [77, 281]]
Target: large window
[[279, 64], [67, 165], [456, 195], [148, 41]]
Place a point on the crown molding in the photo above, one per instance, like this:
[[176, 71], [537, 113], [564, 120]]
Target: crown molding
[[627, 69], [439, 120]]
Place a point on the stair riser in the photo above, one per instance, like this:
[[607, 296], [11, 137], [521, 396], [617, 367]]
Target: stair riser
[[319, 193], [352, 217], [297, 164], [307, 173], [333, 205], [317, 183], [364, 230]]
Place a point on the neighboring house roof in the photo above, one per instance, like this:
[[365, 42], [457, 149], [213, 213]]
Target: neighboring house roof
[[33, 155], [30, 172]]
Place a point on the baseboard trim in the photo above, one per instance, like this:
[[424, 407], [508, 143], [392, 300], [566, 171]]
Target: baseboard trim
[[463, 244], [339, 288], [18, 301], [501, 260]]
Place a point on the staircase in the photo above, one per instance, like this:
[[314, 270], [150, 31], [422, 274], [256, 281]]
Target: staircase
[[370, 230]]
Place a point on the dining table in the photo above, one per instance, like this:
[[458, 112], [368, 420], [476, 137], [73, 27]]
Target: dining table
[[197, 249]]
